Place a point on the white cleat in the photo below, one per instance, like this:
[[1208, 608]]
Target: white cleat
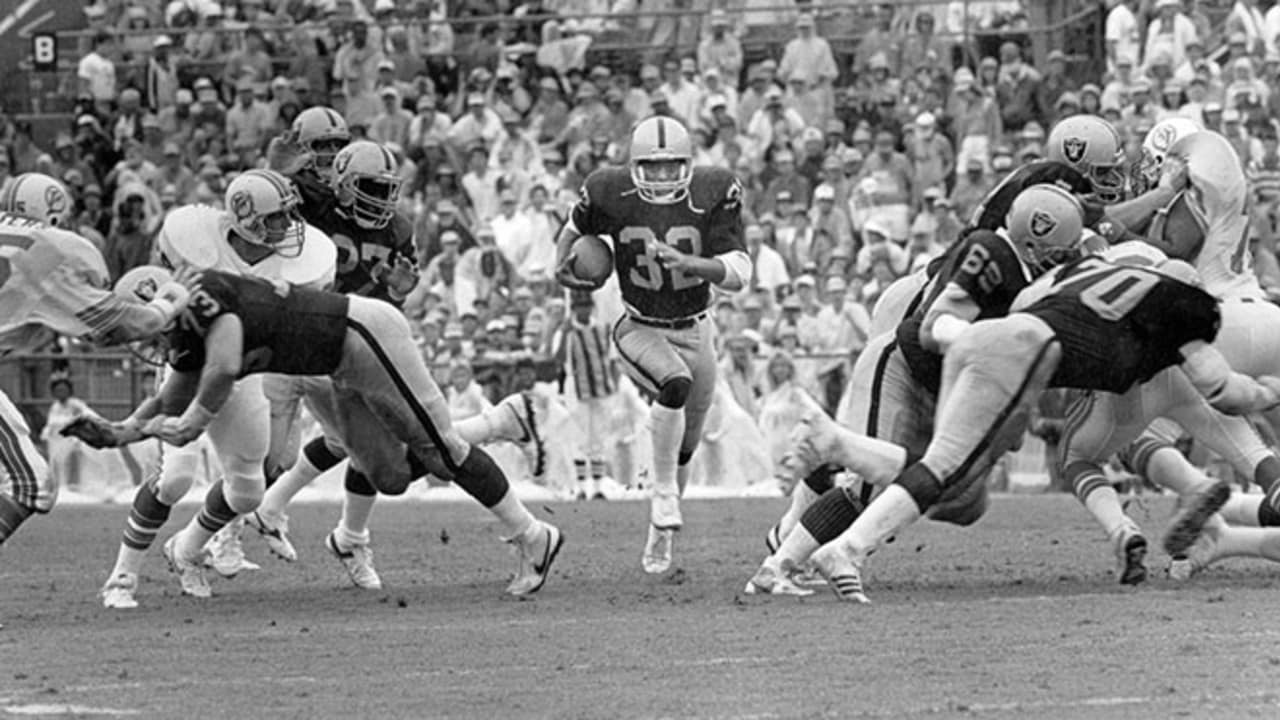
[[537, 550], [664, 511], [842, 573], [771, 581], [118, 593], [657, 550], [1188, 524], [190, 571], [528, 411], [358, 560], [226, 553], [1131, 552], [1199, 556], [274, 529]]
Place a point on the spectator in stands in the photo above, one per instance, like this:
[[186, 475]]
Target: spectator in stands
[[1122, 33], [893, 184], [774, 124], [1018, 91], [129, 243], [876, 248], [880, 46], [249, 124], [681, 88], [480, 125], [720, 49], [740, 371], [393, 122], [932, 159], [208, 45], [768, 268], [251, 61], [829, 216], [162, 74], [97, 72], [1246, 19], [355, 66]]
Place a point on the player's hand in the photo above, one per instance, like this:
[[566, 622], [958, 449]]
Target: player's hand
[[97, 432], [1272, 383], [188, 276], [400, 275], [285, 155], [171, 430], [565, 276], [672, 259], [1173, 174]]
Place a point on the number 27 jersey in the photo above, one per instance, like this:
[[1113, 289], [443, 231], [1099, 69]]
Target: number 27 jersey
[[707, 223]]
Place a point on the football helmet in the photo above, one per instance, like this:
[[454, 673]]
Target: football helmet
[[1091, 145], [1155, 148], [322, 132], [139, 286], [37, 196], [661, 160], [1046, 224], [263, 205], [366, 183]]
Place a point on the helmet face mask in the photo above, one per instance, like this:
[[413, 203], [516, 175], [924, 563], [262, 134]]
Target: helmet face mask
[[661, 160], [322, 132], [366, 184], [1093, 147], [1155, 147], [264, 211]]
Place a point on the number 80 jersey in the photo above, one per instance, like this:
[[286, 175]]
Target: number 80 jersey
[[707, 223]]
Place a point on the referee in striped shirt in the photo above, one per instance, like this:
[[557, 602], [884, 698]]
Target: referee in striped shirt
[[584, 358]]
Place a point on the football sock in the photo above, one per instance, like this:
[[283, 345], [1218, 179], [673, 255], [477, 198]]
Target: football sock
[[1166, 467], [514, 516], [282, 491], [146, 517], [683, 472], [802, 497], [1096, 494], [1244, 510], [597, 468], [12, 514], [214, 516], [666, 427], [1245, 542], [353, 528], [580, 470], [481, 478], [886, 516]]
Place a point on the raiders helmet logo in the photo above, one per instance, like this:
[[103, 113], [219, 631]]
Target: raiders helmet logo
[[1073, 148], [242, 206], [146, 290], [1042, 223], [55, 199], [1162, 138], [341, 163]]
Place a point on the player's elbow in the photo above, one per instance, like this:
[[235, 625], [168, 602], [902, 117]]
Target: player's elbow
[[737, 270]]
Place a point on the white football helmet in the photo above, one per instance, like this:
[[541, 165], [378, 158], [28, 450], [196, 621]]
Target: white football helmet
[[1216, 198], [322, 132], [1091, 145], [263, 205], [1156, 146], [1046, 225], [366, 182], [661, 160], [37, 196], [140, 285]]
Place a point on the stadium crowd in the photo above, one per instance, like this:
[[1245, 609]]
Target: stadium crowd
[[860, 162]]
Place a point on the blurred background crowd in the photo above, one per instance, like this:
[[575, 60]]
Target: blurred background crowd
[[864, 136]]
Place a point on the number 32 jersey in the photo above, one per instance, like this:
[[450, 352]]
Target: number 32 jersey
[[707, 223]]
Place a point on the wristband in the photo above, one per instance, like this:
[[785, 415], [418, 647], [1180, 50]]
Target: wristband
[[196, 417], [170, 299]]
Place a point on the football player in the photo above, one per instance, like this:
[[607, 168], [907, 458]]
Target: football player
[[237, 326], [352, 197], [676, 230], [54, 282], [1092, 325], [259, 234], [902, 372]]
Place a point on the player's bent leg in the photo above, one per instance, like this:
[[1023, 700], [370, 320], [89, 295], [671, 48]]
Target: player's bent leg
[[26, 485], [349, 542], [270, 519], [520, 418], [284, 395]]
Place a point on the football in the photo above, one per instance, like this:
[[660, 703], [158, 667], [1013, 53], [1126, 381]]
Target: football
[[592, 259]]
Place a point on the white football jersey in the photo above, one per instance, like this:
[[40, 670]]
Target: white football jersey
[[50, 281], [1220, 191], [196, 235]]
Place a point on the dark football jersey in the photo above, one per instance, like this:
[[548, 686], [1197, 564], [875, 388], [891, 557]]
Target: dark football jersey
[[986, 266], [298, 332], [1119, 325], [991, 213], [359, 249], [706, 224]]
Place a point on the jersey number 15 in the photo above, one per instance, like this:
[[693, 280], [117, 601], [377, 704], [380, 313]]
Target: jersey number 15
[[648, 272]]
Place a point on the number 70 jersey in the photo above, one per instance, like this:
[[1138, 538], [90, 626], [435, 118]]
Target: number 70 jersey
[[707, 223]]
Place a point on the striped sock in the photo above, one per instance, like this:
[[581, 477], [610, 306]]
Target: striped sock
[[580, 470], [12, 514], [215, 515], [146, 517]]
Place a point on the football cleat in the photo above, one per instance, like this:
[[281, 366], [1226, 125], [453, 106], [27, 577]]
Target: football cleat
[[841, 572], [769, 580], [1188, 523], [358, 561], [525, 415], [664, 511], [1131, 553], [274, 529], [538, 550], [118, 593], [226, 553], [190, 571], [657, 551], [773, 539], [1199, 556]]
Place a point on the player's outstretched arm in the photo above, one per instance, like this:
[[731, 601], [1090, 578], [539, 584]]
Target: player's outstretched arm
[[1227, 390], [1135, 214], [224, 345]]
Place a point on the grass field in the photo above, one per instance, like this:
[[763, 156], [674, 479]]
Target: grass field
[[1015, 617]]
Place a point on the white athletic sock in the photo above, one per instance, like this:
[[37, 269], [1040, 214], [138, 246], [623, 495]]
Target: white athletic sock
[[1168, 468], [683, 473], [482, 428], [1247, 542], [1104, 504], [353, 528], [192, 539], [282, 491], [1242, 510], [886, 516], [666, 427], [796, 548], [514, 516], [128, 560], [802, 496]]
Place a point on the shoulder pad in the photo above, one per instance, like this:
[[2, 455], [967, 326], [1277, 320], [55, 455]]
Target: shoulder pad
[[604, 183], [316, 265], [710, 186], [192, 235], [1134, 252]]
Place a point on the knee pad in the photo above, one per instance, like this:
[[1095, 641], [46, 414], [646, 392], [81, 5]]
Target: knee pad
[[242, 485], [177, 474], [674, 393]]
